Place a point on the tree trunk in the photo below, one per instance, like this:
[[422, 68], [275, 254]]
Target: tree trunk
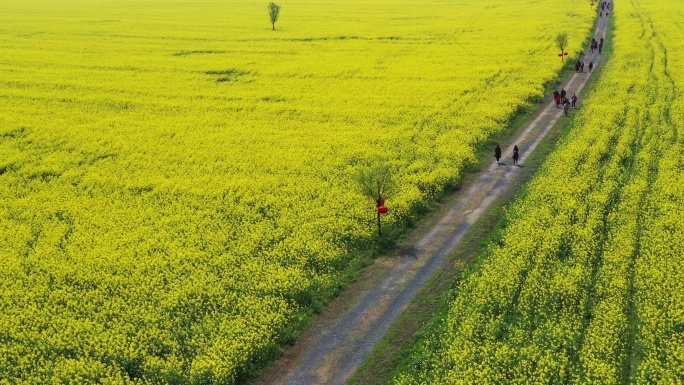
[[274, 26], [379, 226]]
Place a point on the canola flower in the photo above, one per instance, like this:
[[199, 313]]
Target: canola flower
[[585, 285], [176, 178]]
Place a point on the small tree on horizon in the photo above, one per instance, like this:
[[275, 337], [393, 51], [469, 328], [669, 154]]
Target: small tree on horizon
[[376, 182], [562, 41], [273, 13]]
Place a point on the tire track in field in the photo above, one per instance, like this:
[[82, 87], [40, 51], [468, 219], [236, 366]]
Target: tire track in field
[[330, 351]]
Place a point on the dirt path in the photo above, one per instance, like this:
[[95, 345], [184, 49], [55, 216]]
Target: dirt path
[[330, 351]]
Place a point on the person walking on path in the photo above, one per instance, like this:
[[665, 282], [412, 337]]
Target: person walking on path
[[515, 155], [566, 108], [574, 101], [563, 93], [497, 154], [591, 66], [582, 67]]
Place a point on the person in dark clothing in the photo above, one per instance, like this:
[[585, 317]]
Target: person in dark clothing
[[601, 48], [582, 67], [515, 155], [601, 41], [566, 108], [577, 66], [497, 154], [591, 66], [574, 100], [563, 93]]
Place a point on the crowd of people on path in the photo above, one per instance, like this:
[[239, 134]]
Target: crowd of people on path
[[562, 101], [596, 45], [516, 155], [579, 66], [605, 7]]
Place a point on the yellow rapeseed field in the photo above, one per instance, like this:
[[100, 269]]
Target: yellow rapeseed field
[[585, 284], [176, 177]]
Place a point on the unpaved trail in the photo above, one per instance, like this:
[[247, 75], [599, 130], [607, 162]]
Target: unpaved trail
[[342, 336]]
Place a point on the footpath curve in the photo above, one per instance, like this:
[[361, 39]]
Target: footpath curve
[[330, 351]]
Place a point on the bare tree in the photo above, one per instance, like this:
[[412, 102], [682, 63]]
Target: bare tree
[[273, 13], [376, 183], [562, 41]]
